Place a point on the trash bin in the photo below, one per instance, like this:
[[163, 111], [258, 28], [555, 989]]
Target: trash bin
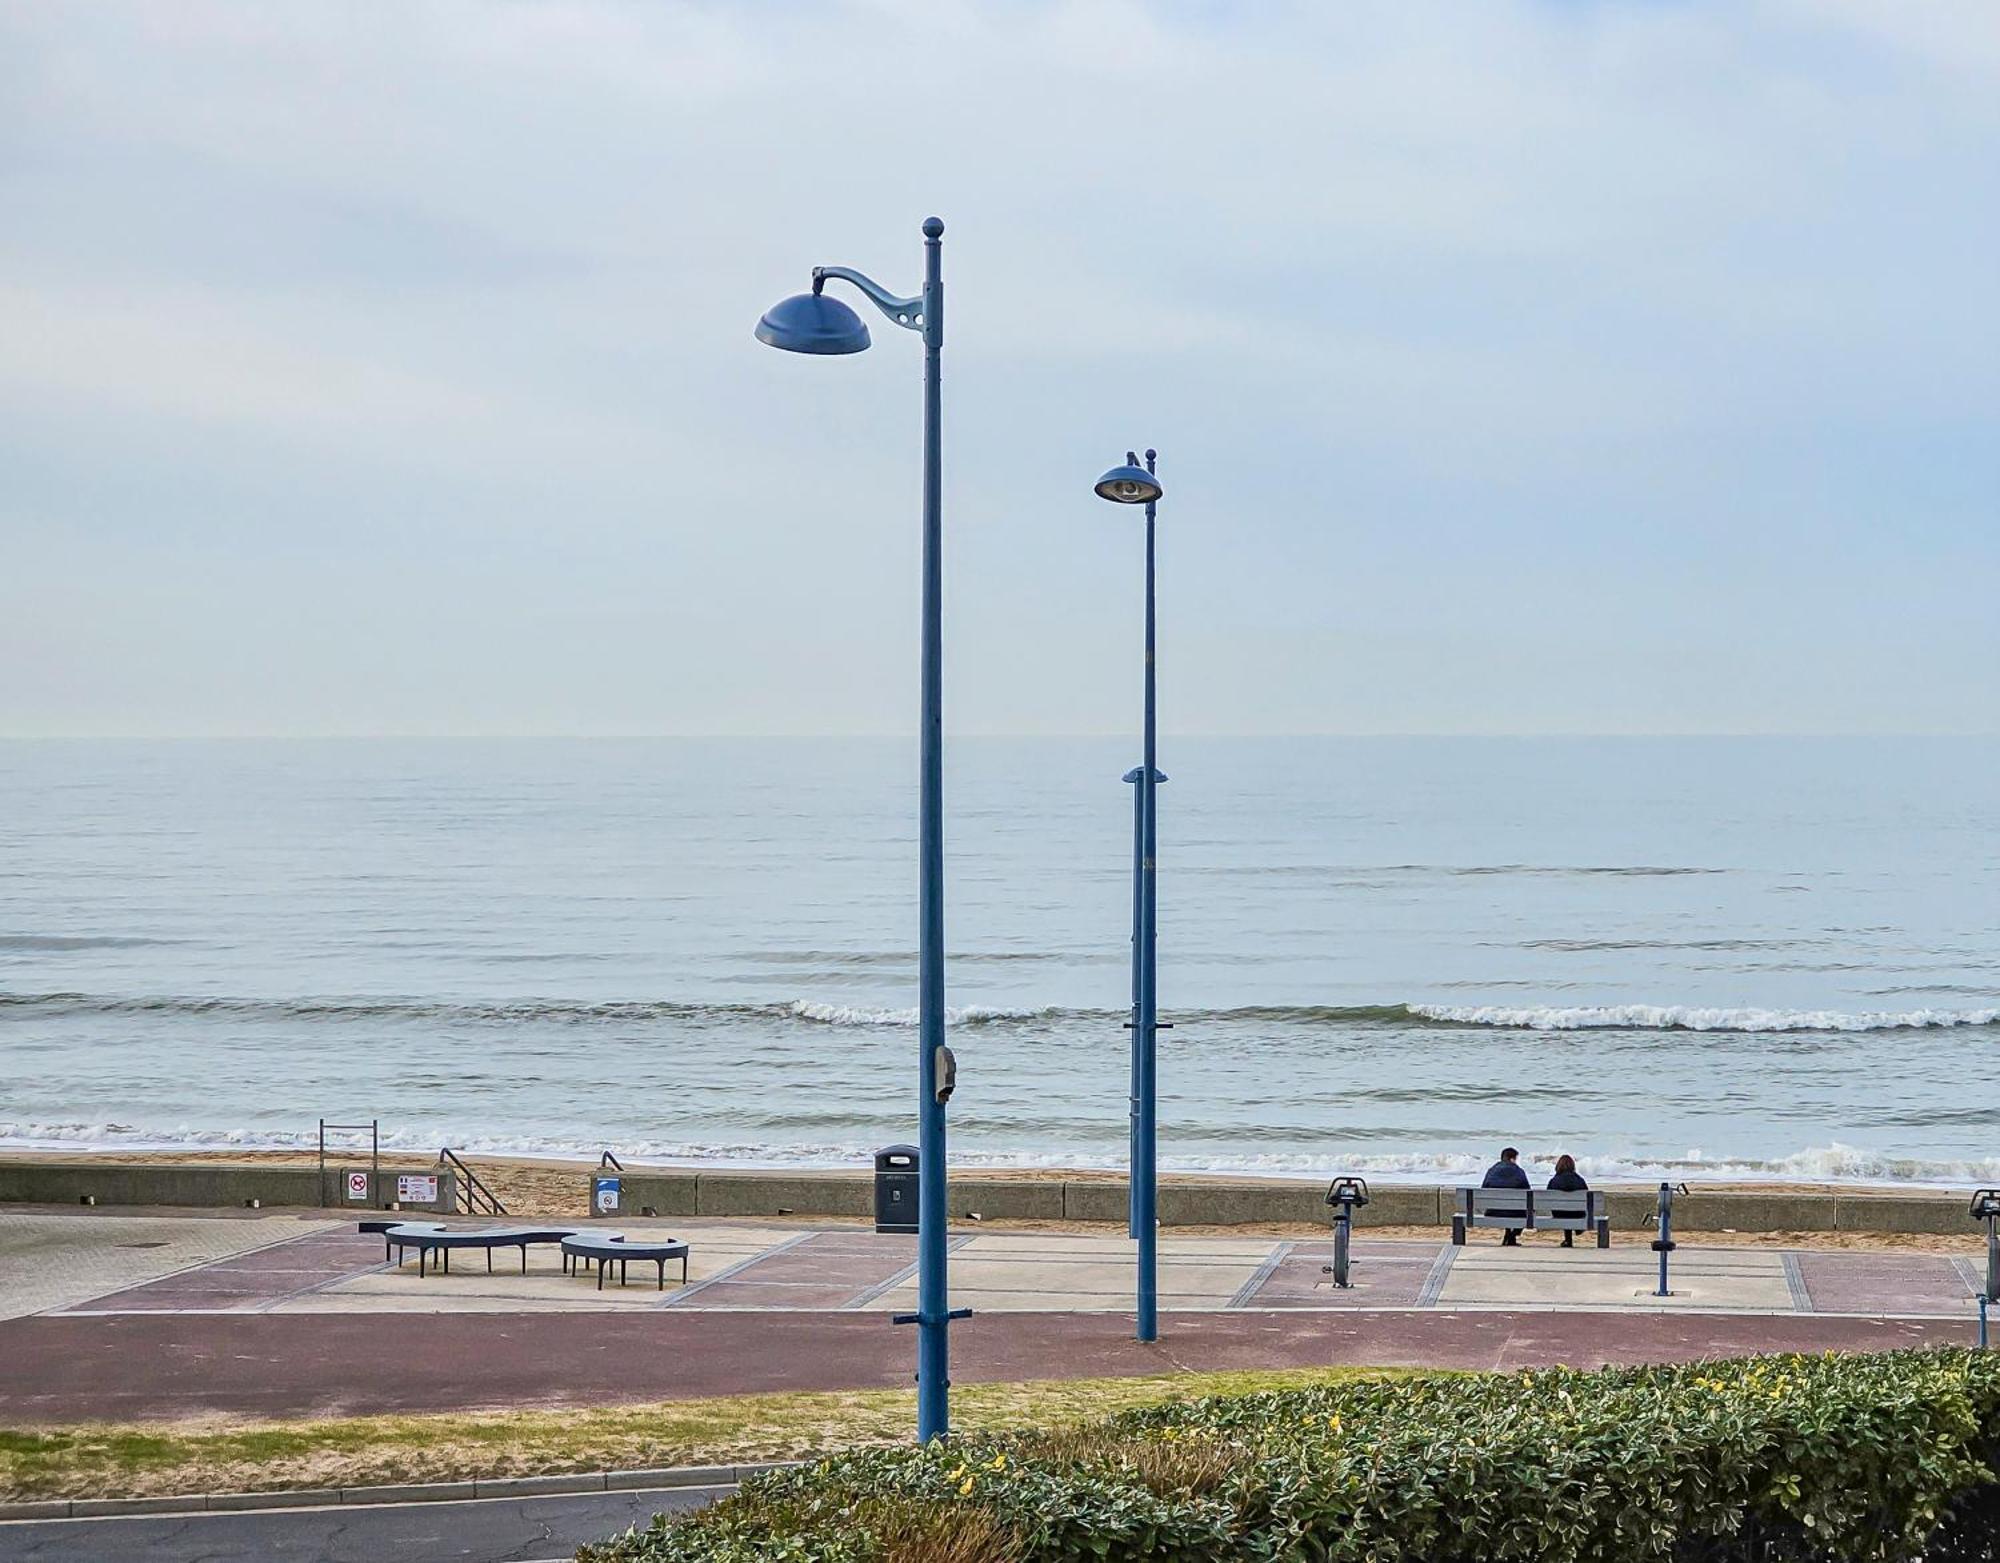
[[896, 1188]]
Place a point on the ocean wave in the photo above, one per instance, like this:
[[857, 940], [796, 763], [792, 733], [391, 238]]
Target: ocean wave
[[45, 942], [383, 1008], [561, 1011], [1678, 1017], [1835, 1163], [968, 1015], [584, 1012]]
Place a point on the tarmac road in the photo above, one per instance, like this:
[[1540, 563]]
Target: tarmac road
[[486, 1530]]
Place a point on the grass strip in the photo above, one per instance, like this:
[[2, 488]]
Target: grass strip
[[158, 1459]]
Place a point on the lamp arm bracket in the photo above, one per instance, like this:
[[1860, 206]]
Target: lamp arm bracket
[[905, 312]]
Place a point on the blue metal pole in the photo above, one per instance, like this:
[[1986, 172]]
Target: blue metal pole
[[1132, 1044], [933, 1307], [1144, 1168]]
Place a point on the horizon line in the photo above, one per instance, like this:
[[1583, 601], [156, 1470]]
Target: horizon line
[[976, 735]]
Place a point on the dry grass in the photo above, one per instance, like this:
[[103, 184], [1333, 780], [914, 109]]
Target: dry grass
[[110, 1460]]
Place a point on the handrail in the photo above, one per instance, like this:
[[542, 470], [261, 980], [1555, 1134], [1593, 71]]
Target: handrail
[[471, 1192], [609, 1160]]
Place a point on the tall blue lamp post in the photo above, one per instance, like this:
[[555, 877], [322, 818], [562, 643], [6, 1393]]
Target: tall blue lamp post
[[1133, 484], [813, 323]]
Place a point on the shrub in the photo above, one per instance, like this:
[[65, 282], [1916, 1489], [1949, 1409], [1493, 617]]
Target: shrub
[[1786, 1459]]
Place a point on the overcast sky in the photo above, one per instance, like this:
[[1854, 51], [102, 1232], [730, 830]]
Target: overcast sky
[[1534, 367]]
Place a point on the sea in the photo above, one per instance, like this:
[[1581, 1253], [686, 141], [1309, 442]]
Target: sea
[[1719, 958]]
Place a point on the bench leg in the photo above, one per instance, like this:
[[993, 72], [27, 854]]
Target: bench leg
[[489, 1260], [1604, 1232], [1458, 1231], [684, 1269], [600, 1274], [621, 1272], [524, 1259], [663, 1275]]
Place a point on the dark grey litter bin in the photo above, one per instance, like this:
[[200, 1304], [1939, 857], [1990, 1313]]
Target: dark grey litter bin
[[896, 1188]]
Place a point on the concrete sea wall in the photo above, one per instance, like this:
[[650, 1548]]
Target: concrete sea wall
[[1226, 1202], [186, 1183]]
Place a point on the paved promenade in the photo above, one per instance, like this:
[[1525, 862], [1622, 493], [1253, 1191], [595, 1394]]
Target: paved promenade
[[125, 1315]]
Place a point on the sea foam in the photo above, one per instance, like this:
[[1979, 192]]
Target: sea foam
[[1678, 1017]]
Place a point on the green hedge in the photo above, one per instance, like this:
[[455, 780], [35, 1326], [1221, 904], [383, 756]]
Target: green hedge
[[1758, 1460]]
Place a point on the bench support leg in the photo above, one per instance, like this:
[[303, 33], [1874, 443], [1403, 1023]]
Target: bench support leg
[[1604, 1232], [1458, 1231]]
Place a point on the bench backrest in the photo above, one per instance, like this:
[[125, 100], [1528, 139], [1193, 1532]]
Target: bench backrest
[[1574, 1212]]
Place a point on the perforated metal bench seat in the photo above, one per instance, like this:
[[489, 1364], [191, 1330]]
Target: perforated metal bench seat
[[607, 1248]]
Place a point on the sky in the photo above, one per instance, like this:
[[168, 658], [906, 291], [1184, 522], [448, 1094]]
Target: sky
[[386, 368]]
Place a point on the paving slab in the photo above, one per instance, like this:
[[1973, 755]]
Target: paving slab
[[1549, 1276], [816, 1270], [1019, 1273], [50, 1260], [1897, 1283], [253, 1281], [1383, 1275]]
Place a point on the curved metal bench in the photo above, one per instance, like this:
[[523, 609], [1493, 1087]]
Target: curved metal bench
[[382, 1226], [606, 1248], [430, 1237]]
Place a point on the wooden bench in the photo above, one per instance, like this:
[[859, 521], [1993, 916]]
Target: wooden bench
[[1527, 1210]]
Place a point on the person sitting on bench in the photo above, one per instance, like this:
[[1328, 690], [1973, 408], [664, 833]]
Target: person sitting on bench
[[1507, 1173], [1567, 1180]]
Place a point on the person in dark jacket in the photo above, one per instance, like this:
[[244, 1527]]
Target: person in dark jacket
[[1567, 1180], [1507, 1173]]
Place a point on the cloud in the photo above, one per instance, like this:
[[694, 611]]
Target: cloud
[[1455, 324]]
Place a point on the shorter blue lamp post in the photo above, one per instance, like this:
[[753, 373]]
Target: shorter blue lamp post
[[1131, 779], [1133, 484]]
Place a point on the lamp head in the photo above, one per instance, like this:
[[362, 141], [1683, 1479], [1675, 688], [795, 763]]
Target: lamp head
[[1129, 485], [812, 323]]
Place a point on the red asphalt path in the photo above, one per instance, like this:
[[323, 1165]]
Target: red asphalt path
[[163, 1365]]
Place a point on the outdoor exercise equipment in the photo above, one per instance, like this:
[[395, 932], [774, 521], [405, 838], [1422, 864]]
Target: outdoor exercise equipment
[[1664, 1244], [1345, 1195], [1986, 1207]]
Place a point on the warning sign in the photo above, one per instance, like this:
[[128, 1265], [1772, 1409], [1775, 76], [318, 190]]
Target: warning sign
[[357, 1186], [606, 1195], [417, 1189]]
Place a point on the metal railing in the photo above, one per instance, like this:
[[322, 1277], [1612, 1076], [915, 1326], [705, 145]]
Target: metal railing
[[473, 1197], [611, 1161]]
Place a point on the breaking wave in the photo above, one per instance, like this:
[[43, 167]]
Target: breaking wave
[[1678, 1017], [1607, 1017], [1834, 1163]]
